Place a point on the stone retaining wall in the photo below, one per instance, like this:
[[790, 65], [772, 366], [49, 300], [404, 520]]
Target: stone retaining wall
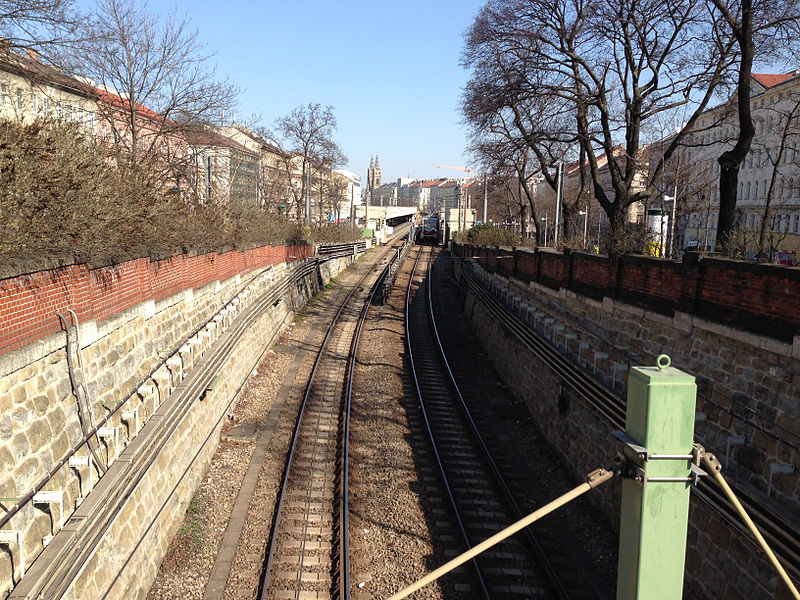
[[748, 386], [39, 419]]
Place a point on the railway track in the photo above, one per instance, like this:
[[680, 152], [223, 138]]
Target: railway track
[[308, 550], [479, 496], [86, 529]]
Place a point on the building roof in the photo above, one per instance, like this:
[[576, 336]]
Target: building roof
[[209, 137], [429, 183], [768, 80], [115, 101], [349, 175], [30, 67]]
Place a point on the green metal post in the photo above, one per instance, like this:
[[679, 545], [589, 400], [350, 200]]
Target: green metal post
[[655, 502]]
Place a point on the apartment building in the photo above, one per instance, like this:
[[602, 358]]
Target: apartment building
[[223, 169], [272, 190], [31, 90], [769, 177], [351, 193]]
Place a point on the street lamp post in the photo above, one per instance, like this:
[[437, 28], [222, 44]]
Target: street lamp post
[[485, 196], [559, 195], [585, 214], [544, 218], [674, 200]]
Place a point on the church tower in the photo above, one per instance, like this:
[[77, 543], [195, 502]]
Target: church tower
[[377, 172], [373, 174]]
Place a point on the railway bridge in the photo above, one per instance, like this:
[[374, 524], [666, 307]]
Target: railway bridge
[[300, 422]]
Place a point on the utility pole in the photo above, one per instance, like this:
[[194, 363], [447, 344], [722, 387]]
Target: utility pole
[[308, 194], [559, 192], [586, 226], [485, 197], [352, 204]]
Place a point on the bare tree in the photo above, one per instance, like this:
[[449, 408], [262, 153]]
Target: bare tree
[[506, 114], [762, 29], [156, 83], [612, 66], [39, 24], [306, 142], [506, 155]]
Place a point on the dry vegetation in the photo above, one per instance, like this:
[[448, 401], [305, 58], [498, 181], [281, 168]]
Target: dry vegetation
[[488, 235], [64, 196]]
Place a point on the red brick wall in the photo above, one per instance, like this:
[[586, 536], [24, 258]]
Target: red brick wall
[[553, 269], [29, 303], [650, 282], [764, 299], [592, 275]]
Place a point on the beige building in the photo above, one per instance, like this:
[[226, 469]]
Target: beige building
[[273, 186], [224, 170], [593, 218], [31, 89]]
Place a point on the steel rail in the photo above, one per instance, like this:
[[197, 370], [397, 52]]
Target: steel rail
[[276, 521], [781, 534], [344, 533], [456, 513], [544, 561], [100, 519]]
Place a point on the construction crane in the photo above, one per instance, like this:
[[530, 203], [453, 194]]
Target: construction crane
[[466, 169]]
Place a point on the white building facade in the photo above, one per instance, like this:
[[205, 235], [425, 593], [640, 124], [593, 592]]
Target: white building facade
[[769, 177]]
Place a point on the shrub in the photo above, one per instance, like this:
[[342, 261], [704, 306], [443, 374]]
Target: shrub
[[65, 194], [488, 235]]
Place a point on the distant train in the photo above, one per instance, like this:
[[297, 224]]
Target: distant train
[[431, 230]]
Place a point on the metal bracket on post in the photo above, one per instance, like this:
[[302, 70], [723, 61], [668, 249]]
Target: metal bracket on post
[[175, 366], [106, 433], [14, 536], [83, 461], [143, 392], [52, 497], [131, 416], [629, 469]]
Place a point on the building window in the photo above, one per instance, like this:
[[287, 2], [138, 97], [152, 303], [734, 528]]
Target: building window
[[90, 119], [4, 92], [797, 223], [34, 102], [20, 103]]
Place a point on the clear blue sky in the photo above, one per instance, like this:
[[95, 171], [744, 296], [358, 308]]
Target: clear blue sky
[[390, 70]]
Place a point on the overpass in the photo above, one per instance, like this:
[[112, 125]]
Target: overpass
[[393, 215]]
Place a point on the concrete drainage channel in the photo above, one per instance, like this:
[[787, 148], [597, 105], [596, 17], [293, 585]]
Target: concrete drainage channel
[[112, 544]]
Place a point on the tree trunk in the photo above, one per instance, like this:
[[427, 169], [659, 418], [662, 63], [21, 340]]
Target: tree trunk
[[616, 220], [730, 160]]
